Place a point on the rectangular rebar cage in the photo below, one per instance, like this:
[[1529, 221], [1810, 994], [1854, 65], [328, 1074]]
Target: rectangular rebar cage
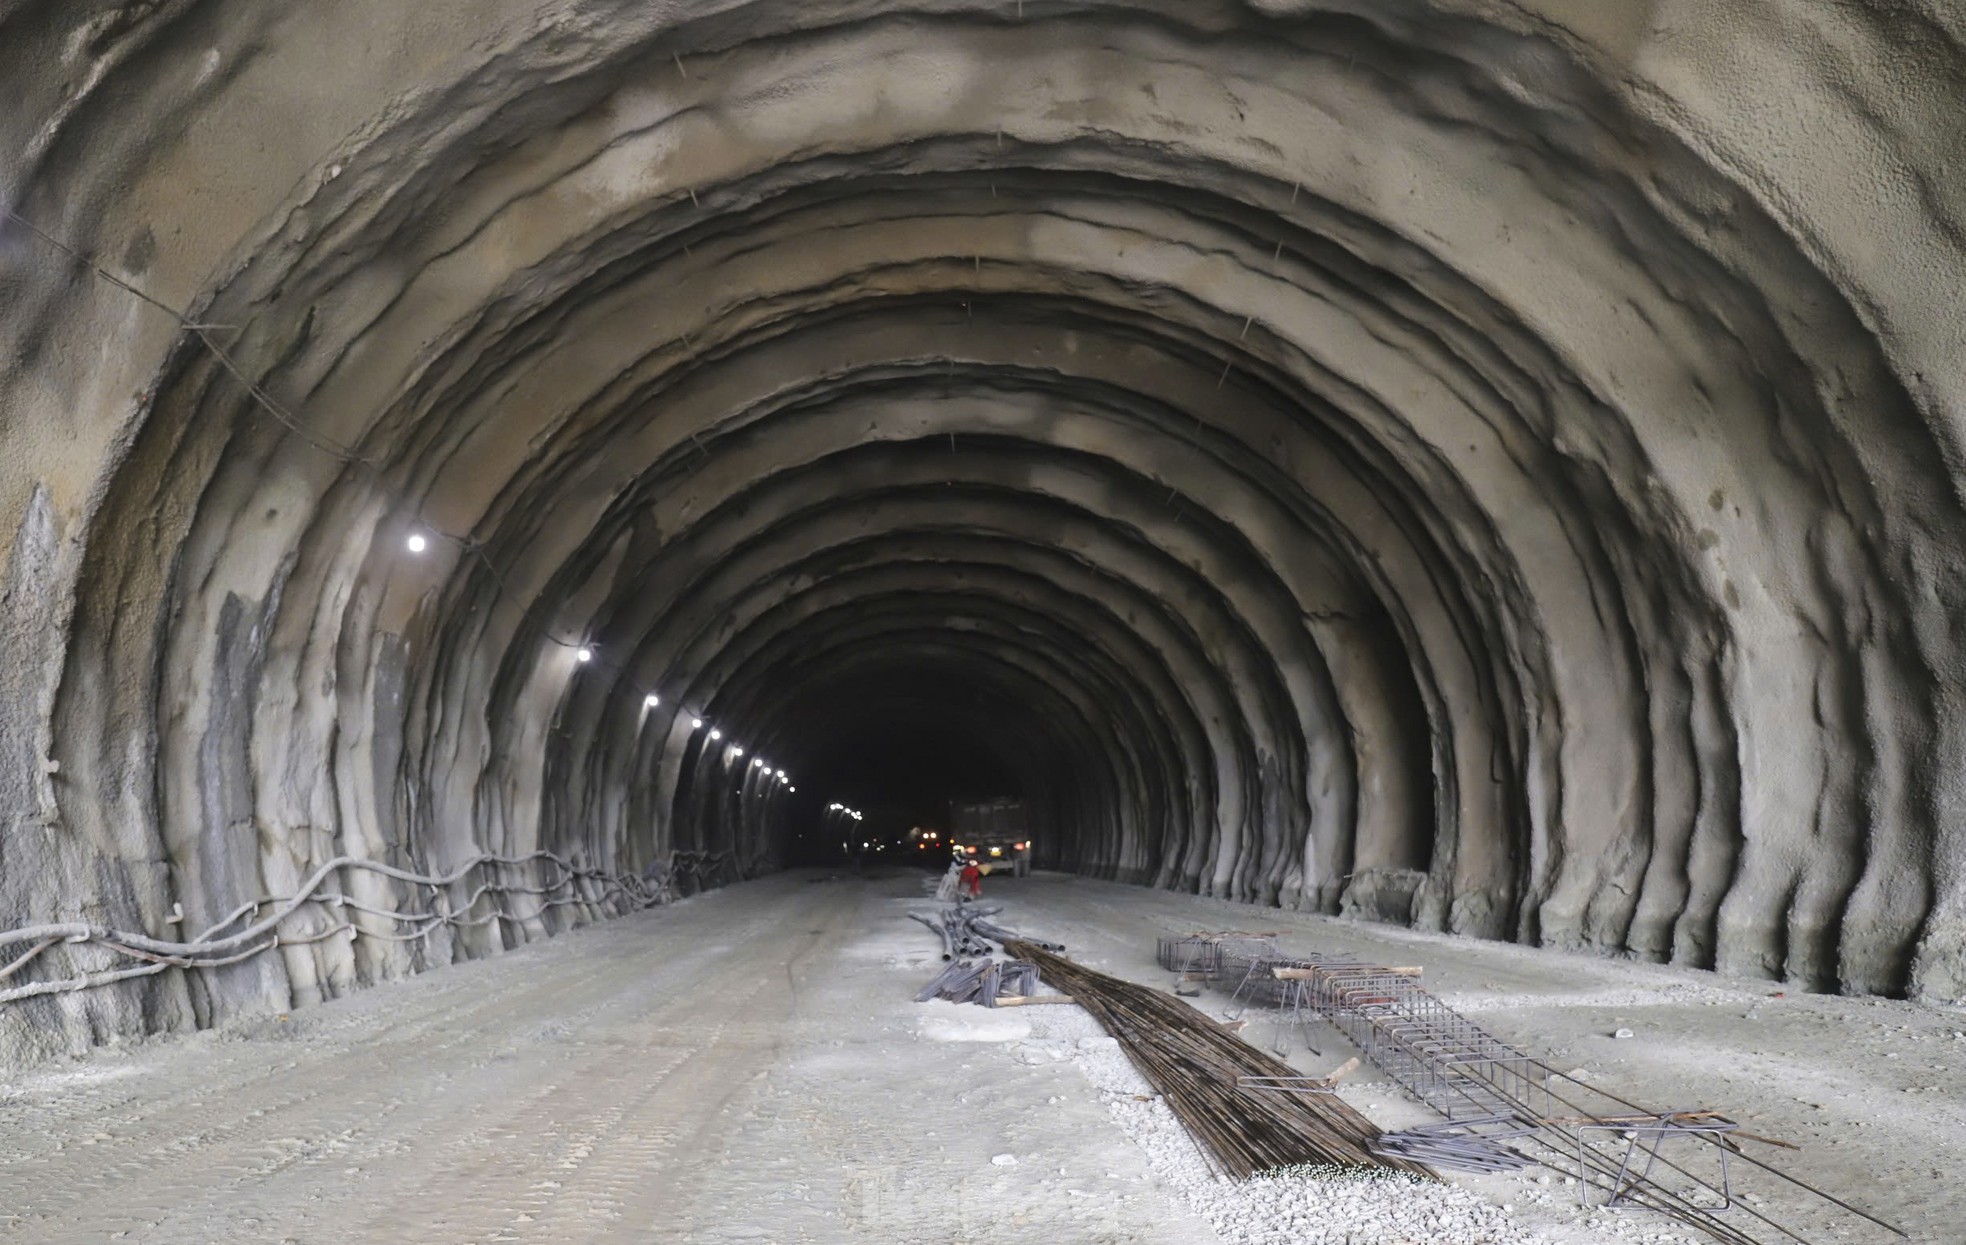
[[1214, 954], [1446, 1060]]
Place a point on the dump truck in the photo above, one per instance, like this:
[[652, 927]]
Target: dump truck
[[994, 833]]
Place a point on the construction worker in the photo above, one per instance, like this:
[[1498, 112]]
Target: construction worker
[[951, 883], [972, 880], [1020, 860]]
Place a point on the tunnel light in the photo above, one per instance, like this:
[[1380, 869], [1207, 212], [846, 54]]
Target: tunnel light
[[736, 751], [417, 542], [651, 700], [583, 655], [715, 733], [696, 724], [794, 790]]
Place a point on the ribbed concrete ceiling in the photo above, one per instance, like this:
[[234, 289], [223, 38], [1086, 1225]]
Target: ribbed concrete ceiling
[[1298, 447]]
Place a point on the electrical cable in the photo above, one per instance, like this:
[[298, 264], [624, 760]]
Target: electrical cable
[[162, 954]]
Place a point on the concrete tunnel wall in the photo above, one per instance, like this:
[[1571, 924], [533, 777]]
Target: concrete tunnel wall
[[1508, 449]]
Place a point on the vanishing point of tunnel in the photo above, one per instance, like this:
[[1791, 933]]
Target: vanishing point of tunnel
[[1481, 473]]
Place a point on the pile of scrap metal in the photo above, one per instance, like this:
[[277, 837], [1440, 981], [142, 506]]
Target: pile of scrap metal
[[964, 932], [991, 983]]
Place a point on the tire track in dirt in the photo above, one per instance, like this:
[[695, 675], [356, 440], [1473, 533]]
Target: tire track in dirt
[[223, 1161]]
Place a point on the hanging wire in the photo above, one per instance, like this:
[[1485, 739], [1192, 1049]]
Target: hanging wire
[[203, 332]]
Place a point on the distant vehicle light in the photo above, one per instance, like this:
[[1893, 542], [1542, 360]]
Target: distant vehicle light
[[996, 851]]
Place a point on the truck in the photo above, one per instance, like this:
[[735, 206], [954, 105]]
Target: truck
[[993, 833]]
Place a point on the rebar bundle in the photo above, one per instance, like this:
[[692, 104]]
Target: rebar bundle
[[1196, 1066]]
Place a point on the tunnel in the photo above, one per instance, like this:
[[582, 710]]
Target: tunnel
[[476, 470], [525, 524]]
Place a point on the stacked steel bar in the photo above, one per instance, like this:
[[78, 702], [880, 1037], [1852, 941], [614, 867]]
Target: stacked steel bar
[[964, 932], [1195, 1065], [952, 925], [1475, 1144], [997, 933], [983, 982]]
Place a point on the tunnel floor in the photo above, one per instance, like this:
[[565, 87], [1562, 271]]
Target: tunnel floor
[[747, 1066]]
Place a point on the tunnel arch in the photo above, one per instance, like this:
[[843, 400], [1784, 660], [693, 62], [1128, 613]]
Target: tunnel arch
[[1437, 442]]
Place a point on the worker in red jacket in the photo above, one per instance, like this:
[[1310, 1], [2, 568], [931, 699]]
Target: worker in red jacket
[[972, 880]]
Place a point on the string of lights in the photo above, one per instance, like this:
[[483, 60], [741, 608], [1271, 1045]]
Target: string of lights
[[422, 531]]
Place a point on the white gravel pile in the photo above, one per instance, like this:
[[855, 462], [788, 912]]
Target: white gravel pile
[[1302, 1206]]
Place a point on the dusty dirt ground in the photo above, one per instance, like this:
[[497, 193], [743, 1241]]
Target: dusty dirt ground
[[749, 1066]]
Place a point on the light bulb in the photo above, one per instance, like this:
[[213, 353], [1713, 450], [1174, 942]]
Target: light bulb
[[716, 734], [696, 724], [417, 542], [583, 655], [652, 700], [738, 752]]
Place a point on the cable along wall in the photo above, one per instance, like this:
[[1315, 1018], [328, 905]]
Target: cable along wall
[[1400, 466]]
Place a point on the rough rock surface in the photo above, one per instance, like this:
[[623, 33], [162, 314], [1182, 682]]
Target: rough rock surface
[[1291, 441]]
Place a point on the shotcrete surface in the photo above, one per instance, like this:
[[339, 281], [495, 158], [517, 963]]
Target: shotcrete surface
[[747, 1065]]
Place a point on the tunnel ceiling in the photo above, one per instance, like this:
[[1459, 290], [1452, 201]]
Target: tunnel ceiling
[[1489, 465]]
